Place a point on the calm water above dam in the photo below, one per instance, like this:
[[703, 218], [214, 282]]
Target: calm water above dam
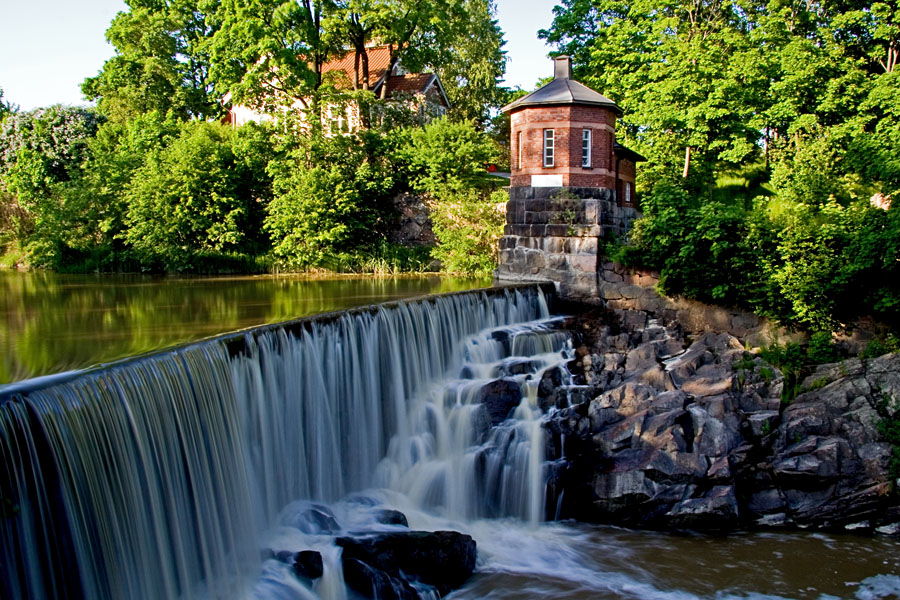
[[51, 323]]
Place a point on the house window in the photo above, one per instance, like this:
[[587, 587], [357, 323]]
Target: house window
[[548, 147], [519, 150], [627, 192], [586, 148]]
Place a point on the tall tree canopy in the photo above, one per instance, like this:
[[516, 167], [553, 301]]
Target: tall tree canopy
[[707, 83], [160, 63]]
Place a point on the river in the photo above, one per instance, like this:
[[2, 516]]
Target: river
[[53, 323], [146, 442]]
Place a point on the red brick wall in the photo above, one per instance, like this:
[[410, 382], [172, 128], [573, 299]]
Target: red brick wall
[[567, 121], [626, 175]]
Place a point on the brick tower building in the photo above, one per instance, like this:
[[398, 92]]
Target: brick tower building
[[571, 184]]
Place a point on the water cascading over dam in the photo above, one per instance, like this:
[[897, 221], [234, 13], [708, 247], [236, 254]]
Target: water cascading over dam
[[158, 476]]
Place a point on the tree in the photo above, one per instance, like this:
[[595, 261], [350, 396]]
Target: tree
[[475, 64], [160, 63], [332, 196], [42, 157], [684, 72], [444, 154], [268, 54]]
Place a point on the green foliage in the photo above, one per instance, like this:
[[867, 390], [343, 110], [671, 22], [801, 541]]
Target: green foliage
[[790, 360], [707, 85], [821, 348], [444, 154], [880, 346], [468, 224], [159, 63], [330, 197], [193, 198], [6, 107], [43, 154], [889, 428]]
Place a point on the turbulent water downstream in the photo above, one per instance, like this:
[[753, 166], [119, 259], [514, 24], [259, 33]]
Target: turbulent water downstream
[[165, 477]]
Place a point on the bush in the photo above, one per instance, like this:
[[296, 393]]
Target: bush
[[468, 225], [192, 201], [332, 200], [444, 154]]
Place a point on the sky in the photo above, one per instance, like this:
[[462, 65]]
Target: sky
[[48, 47]]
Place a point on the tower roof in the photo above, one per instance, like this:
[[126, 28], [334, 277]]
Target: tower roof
[[563, 90]]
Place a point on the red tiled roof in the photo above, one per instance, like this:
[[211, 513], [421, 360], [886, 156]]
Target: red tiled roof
[[411, 83], [379, 60]]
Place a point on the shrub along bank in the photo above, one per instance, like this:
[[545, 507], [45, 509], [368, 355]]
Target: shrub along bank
[[160, 194]]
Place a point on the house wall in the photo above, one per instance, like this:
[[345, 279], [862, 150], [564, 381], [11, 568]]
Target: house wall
[[567, 121], [627, 171]]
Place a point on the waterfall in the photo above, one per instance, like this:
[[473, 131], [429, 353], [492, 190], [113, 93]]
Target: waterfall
[[153, 478]]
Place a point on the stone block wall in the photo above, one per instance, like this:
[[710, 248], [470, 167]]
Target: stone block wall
[[554, 234]]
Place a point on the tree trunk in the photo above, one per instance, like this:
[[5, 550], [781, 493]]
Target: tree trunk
[[687, 161]]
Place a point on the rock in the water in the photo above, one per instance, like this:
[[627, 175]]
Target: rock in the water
[[376, 584], [308, 564], [500, 397], [316, 519], [441, 559], [391, 517]]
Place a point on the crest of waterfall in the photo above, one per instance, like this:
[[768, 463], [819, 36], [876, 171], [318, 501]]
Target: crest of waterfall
[[154, 477]]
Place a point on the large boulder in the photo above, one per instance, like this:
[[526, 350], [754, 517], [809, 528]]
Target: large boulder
[[443, 560]]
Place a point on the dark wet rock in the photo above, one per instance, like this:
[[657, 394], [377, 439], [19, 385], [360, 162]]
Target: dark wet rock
[[500, 397], [389, 516], [369, 582], [317, 519], [308, 564], [441, 559], [551, 380]]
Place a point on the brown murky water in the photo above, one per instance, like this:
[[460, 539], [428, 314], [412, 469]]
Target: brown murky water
[[573, 561], [51, 323]]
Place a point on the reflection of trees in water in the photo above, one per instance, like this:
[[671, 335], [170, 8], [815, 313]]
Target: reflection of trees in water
[[57, 322]]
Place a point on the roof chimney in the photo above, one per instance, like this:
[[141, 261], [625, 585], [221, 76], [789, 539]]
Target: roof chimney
[[562, 67]]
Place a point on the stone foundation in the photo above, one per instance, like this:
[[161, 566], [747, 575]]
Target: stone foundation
[[554, 233]]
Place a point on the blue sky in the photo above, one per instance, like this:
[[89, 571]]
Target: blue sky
[[48, 47]]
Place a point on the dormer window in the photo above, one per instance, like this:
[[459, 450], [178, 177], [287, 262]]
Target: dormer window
[[548, 147]]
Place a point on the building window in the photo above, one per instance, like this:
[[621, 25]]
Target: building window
[[548, 147], [627, 192], [586, 148], [519, 150]]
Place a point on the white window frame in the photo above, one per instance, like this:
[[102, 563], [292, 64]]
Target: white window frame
[[549, 147], [586, 148], [519, 150], [627, 192]]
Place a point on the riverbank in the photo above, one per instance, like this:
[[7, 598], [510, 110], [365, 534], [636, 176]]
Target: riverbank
[[668, 430]]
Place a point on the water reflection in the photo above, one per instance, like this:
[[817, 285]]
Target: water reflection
[[52, 323]]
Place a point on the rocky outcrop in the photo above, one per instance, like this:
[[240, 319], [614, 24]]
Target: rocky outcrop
[[694, 435]]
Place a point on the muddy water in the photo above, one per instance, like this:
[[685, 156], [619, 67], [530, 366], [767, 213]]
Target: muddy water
[[575, 561]]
